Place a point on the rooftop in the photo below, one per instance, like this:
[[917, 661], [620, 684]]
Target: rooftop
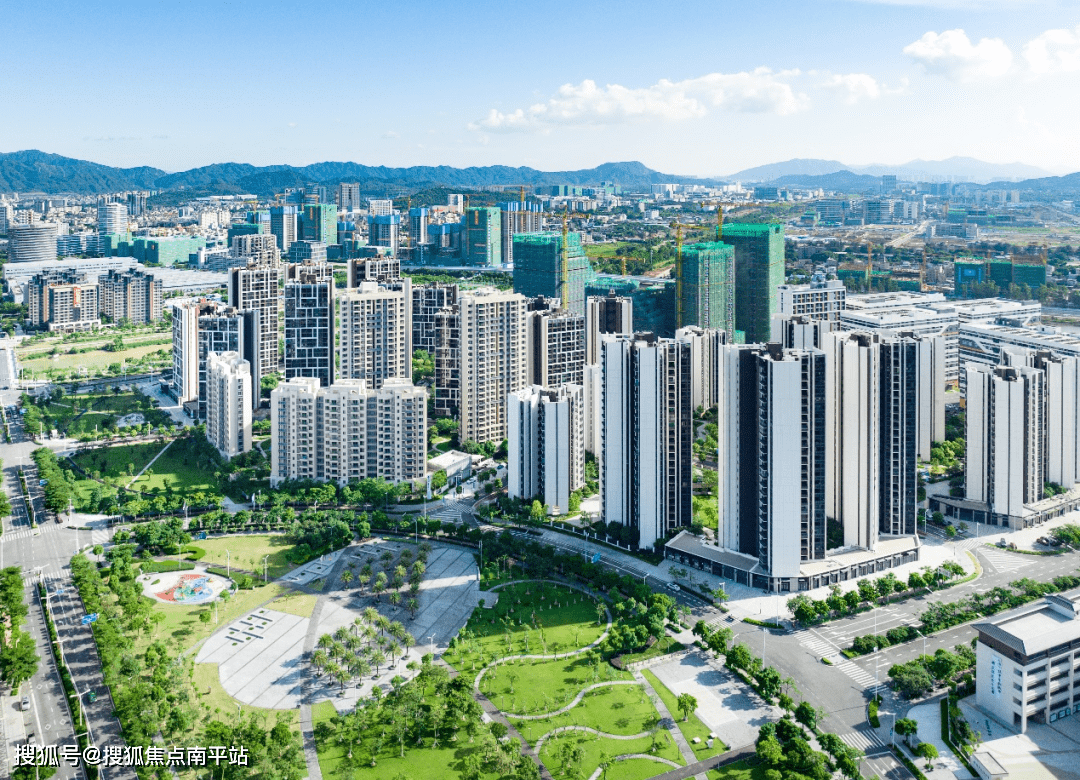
[[1037, 627]]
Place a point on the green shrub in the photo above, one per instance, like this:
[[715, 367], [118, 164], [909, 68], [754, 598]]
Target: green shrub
[[154, 567]]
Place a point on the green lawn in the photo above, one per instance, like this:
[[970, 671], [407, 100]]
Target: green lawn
[[95, 360], [221, 705], [568, 619], [181, 469], [693, 727], [544, 686], [594, 748], [113, 461], [618, 709], [247, 552], [740, 770], [666, 645]]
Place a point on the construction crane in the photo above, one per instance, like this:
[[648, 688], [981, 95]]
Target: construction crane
[[922, 279], [564, 271], [869, 264], [521, 194], [719, 214]]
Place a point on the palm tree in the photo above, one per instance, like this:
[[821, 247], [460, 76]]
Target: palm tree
[[346, 577], [378, 658]]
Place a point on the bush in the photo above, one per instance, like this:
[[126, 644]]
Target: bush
[[872, 712], [192, 553]]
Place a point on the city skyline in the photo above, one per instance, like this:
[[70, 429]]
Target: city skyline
[[858, 81]]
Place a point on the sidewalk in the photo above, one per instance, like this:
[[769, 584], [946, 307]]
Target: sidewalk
[[946, 766]]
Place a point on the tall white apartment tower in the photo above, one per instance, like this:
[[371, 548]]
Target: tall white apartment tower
[[1005, 431], [262, 248], [375, 335], [800, 331], [1062, 417], [705, 346], [228, 412], [772, 465], [544, 442], [491, 360], [646, 433], [609, 314]]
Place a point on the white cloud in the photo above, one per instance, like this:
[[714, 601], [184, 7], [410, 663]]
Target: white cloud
[[1055, 51], [952, 54], [391, 134], [760, 91], [854, 87]]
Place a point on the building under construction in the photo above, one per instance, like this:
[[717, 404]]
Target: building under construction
[[653, 301], [708, 286], [759, 270], [538, 268], [1029, 269]]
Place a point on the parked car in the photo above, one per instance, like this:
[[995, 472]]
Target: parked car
[[25, 704], [1002, 542]]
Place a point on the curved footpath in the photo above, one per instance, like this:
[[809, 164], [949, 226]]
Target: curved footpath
[[577, 700], [563, 729]]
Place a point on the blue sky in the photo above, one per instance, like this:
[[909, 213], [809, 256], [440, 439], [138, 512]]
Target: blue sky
[[692, 87]]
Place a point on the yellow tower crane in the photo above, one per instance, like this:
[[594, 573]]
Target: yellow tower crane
[[679, 226], [521, 194]]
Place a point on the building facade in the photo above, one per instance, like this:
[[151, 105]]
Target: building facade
[[481, 243], [132, 295], [708, 287], [228, 403], [310, 322], [759, 271], [538, 268], [546, 452], [819, 300], [375, 336], [348, 432], [646, 431], [554, 344], [258, 288], [608, 314]]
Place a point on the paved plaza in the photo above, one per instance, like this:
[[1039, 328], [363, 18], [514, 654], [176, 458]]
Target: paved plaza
[[723, 703], [261, 657]]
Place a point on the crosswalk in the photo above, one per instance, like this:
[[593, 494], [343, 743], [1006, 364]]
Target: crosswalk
[[861, 676], [860, 740], [97, 536], [817, 645], [1003, 561]]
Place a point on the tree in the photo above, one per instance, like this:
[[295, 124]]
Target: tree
[[498, 730], [687, 704], [929, 752], [906, 728], [18, 660], [807, 715], [770, 752]]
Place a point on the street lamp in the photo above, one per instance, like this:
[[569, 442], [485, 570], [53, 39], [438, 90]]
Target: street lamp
[[228, 564], [264, 567], [920, 633]]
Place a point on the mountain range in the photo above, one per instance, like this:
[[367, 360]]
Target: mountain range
[[966, 169], [34, 171]]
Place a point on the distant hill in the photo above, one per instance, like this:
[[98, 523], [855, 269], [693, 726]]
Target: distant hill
[[956, 168], [841, 181], [1067, 186], [797, 167], [34, 171]]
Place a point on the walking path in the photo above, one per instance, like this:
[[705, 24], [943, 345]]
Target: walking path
[[151, 463], [589, 730], [680, 740]]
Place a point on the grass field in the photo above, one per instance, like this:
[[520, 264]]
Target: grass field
[[247, 552], [600, 250], [177, 468], [93, 361], [113, 462], [666, 645], [299, 604], [568, 619], [181, 625], [544, 686], [207, 682], [693, 727], [663, 745], [617, 709]]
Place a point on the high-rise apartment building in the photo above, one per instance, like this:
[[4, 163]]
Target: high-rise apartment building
[[132, 295], [554, 344], [546, 452], [705, 344], [1005, 435], [708, 288], [820, 300], [307, 252], [538, 268], [375, 336], [772, 462], [1062, 456], [872, 393], [646, 468], [383, 230], [228, 403], [447, 323], [225, 329], [518, 217], [759, 271], [427, 300], [283, 225], [348, 431], [62, 300], [373, 269], [380, 207], [320, 223], [491, 360], [112, 218], [610, 314], [348, 197], [185, 351], [800, 331], [309, 322], [482, 241], [258, 288], [418, 223], [262, 248]]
